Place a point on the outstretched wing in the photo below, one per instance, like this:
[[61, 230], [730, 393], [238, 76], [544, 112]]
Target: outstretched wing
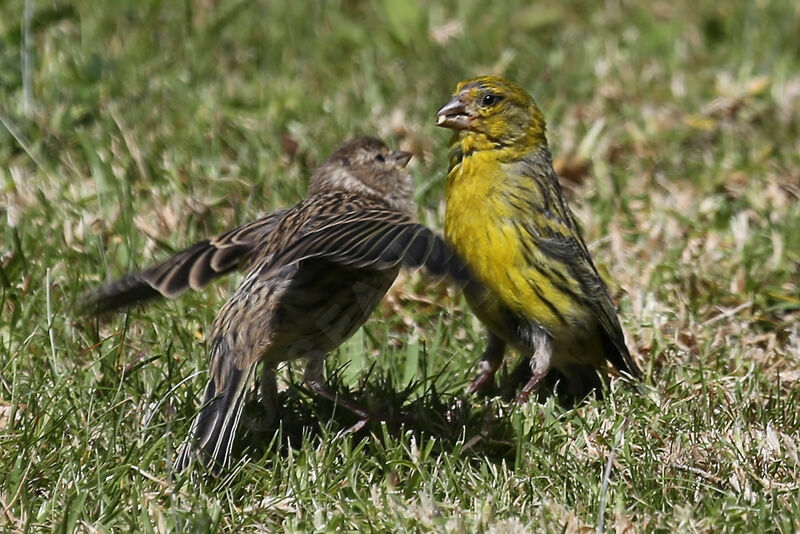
[[377, 239], [192, 268]]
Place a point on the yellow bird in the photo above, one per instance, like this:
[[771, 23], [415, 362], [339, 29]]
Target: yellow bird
[[507, 217]]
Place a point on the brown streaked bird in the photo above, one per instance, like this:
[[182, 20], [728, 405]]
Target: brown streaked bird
[[315, 272], [508, 219]]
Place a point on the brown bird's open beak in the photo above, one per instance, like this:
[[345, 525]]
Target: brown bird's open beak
[[401, 157], [454, 115]]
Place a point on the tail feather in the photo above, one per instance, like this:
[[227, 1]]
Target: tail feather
[[619, 356], [214, 428]]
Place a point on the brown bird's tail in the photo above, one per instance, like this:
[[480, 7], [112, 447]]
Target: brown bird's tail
[[215, 426]]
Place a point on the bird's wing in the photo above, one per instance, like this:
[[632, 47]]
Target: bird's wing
[[376, 239], [192, 268], [573, 254]]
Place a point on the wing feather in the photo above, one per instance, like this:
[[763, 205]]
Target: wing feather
[[192, 268], [376, 239]]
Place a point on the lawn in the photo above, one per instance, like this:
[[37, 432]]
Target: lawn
[[129, 130]]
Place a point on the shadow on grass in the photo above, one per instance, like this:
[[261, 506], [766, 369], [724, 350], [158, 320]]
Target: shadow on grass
[[486, 430], [304, 417]]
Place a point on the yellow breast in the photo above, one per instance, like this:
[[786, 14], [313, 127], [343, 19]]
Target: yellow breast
[[487, 231]]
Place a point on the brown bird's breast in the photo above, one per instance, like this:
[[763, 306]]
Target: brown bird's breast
[[302, 310], [324, 305]]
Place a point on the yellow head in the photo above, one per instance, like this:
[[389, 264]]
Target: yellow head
[[490, 112]]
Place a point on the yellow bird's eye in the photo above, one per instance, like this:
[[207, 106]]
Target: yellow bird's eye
[[490, 99]]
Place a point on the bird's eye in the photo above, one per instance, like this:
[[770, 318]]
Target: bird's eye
[[380, 158], [490, 99]]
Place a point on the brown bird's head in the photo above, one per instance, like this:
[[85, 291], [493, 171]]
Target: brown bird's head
[[365, 165], [490, 112]]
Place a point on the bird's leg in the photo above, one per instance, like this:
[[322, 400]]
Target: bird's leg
[[519, 375], [269, 388], [316, 382], [269, 399], [540, 363], [490, 362]]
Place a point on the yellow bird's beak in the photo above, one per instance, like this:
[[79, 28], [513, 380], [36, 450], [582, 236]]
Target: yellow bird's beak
[[454, 115]]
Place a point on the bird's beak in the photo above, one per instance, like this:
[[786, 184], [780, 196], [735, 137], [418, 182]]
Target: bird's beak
[[454, 115], [401, 157]]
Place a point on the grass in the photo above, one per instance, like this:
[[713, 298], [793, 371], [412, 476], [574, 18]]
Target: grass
[[132, 129]]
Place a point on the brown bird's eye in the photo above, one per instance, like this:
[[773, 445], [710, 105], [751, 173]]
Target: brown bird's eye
[[490, 99], [380, 158]]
